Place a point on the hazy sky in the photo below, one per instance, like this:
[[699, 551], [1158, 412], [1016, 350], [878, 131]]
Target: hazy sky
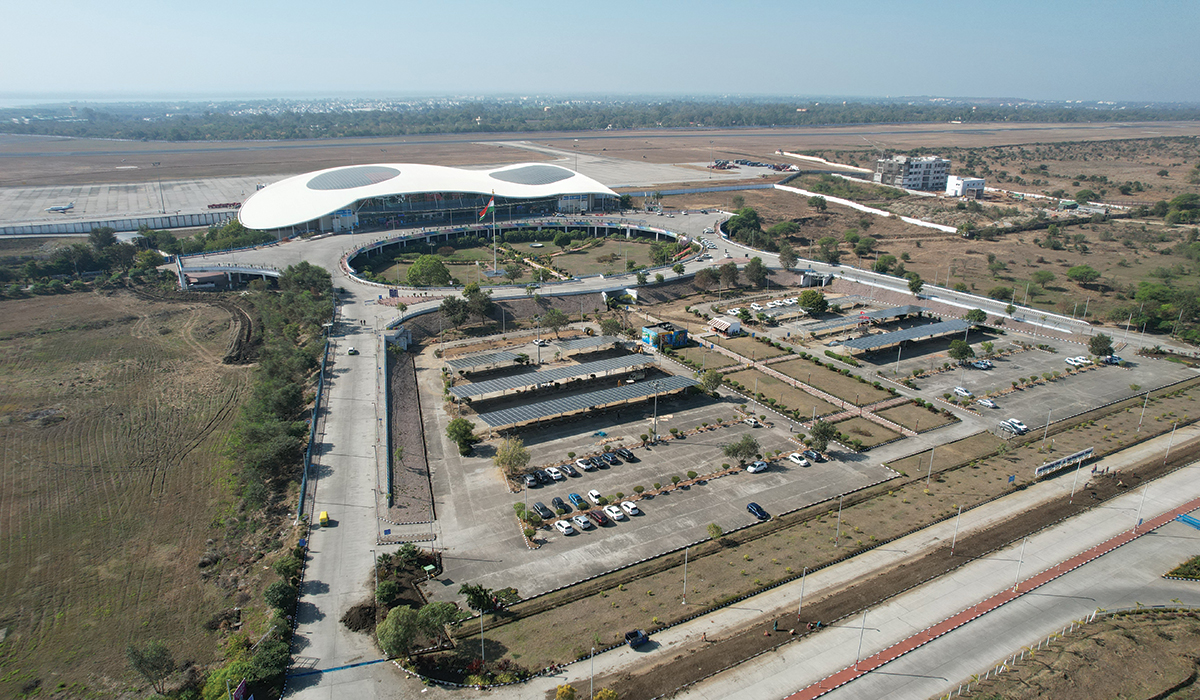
[[1043, 49]]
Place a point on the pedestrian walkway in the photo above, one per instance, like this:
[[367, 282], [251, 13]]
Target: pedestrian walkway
[[985, 606]]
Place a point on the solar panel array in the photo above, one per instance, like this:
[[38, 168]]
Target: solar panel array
[[349, 178], [885, 339], [851, 320], [520, 381], [580, 402], [491, 358], [588, 342], [533, 175]]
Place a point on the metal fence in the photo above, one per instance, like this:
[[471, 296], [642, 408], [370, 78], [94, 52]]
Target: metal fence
[[316, 414]]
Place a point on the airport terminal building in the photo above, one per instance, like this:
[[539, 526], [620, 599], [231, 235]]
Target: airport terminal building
[[405, 195]]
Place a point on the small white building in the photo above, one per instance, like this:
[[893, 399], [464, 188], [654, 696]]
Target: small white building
[[726, 325], [964, 187]]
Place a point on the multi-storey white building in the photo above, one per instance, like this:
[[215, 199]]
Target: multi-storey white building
[[925, 173]]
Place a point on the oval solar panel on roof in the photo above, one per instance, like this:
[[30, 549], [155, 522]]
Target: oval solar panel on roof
[[349, 178], [533, 175]]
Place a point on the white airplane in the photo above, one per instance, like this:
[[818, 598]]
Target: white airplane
[[62, 208]]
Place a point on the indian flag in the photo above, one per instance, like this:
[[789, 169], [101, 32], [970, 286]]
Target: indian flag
[[491, 207]]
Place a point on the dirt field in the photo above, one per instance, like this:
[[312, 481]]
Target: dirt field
[[785, 394], [1148, 655], [708, 359], [871, 434], [832, 382], [917, 418], [113, 415], [748, 347]]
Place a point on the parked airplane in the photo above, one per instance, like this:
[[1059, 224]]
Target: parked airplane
[[62, 208]]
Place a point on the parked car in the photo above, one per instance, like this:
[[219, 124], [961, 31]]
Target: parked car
[[734, 311], [610, 458], [596, 462], [756, 467], [987, 403], [569, 470], [585, 464], [559, 504], [577, 500], [555, 473], [981, 364], [598, 517], [626, 455], [963, 392], [594, 496], [542, 343], [542, 476], [564, 527], [814, 455], [630, 507], [1017, 425], [582, 522], [1113, 360], [530, 481], [541, 509], [757, 511], [636, 638], [752, 422], [614, 512], [1006, 426], [797, 458], [351, 351]]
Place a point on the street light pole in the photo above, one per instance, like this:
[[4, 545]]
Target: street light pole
[[862, 633], [954, 540], [685, 563], [803, 576], [656, 385], [838, 537], [1047, 428], [592, 680]]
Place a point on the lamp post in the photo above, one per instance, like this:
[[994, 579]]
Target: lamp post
[[592, 680], [685, 563], [838, 537], [656, 386], [803, 576]]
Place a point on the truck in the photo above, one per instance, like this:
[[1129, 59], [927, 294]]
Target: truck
[[636, 638]]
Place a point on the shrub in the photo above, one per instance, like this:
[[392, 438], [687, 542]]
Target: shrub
[[692, 475]]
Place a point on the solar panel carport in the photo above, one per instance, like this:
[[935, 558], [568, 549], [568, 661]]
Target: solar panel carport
[[592, 400], [855, 319], [883, 340], [486, 361], [548, 376], [570, 347]]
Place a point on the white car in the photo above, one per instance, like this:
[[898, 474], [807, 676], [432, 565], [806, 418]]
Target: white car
[[756, 467], [987, 403], [756, 307], [584, 465], [1073, 361], [727, 254], [752, 422], [1020, 427], [582, 522], [797, 458], [1082, 360], [629, 507], [564, 527], [555, 473], [734, 311], [963, 392], [793, 301], [614, 512], [594, 496]]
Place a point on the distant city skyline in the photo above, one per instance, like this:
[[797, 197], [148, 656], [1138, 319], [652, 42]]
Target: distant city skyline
[[1104, 50]]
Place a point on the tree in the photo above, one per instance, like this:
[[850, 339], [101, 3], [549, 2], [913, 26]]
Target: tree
[[710, 380], [729, 274], [454, 310], [1085, 196], [783, 229], [813, 302], [988, 347], [715, 531], [554, 320], [398, 631], [154, 662], [976, 316], [478, 597], [1083, 274], [738, 202], [479, 302], [821, 433], [514, 272], [511, 456], [706, 279], [1100, 345], [960, 350], [742, 450], [818, 203], [915, 283], [428, 271], [606, 694], [147, 259], [787, 256], [1042, 277], [883, 264], [462, 432], [864, 247], [610, 326], [102, 237], [280, 595], [641, 278], [562, 239], [756, 272], [678, 269], [387, 592], [996, 267], [432, 618], [564, 692]]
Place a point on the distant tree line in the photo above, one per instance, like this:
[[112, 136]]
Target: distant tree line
[[201, 122]]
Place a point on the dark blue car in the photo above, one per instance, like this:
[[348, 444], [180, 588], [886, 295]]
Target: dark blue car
[[757, 511]]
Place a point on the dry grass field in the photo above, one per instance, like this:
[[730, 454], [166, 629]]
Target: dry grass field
[[831, 381], [870, 434], [113, 418], [917, 418], [784, 394], [748, 347]]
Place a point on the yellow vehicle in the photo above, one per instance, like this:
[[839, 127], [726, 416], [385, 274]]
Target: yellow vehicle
[[324, 518]]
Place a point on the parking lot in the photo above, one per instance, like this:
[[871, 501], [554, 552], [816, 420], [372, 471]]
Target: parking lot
[[1060, 398], [482, 539]]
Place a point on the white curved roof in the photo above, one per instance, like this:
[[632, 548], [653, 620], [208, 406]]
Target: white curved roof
[[304, 198]]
